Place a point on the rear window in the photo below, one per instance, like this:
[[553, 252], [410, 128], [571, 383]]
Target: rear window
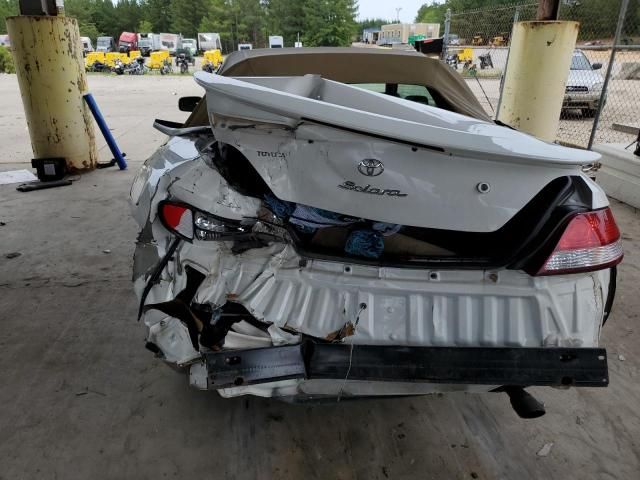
[[414, 93]]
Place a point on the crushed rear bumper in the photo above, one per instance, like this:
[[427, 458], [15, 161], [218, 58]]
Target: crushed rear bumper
[[579, 367]]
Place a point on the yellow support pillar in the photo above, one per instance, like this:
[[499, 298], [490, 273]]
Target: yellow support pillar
[[48, 57], [535, 80]]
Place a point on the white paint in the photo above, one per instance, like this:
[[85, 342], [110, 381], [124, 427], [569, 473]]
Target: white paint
[[16, 176]]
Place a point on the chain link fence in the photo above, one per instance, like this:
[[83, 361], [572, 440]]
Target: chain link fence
[[478, 47]]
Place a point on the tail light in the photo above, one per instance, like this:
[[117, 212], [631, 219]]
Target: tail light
[[189, 223], [178, 218], [591, 241]]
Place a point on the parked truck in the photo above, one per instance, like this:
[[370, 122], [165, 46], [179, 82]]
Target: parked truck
[[276, 41], [87, 46], [190, 44], [209, 41], [127, 42], [170, 42], [148, 42], [105, 44]]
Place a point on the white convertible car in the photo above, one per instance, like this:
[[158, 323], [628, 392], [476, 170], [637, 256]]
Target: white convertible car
[[341, 222]]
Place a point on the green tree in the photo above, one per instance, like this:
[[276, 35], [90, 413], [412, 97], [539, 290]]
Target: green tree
[[432, 13], [286, 18], [128, 15], [220, 19], [145, 26], [186, 16], [157, 12], [7, 9], [89, 30], [329, 23], [250, 21], [6, 61]]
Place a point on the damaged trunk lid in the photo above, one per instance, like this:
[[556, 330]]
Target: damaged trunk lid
[[343, 149]]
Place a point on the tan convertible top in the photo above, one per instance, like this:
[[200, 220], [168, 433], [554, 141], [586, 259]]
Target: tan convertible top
[[352, 65]]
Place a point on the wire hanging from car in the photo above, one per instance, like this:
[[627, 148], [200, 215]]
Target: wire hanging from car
[[363, 307]]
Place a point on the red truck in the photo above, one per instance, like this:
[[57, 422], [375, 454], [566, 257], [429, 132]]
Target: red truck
[[128, 41]]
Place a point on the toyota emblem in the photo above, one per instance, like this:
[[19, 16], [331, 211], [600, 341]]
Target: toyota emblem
[[370, 167]]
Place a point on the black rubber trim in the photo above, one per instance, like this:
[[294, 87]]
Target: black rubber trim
[[155, 274], [579, 367], [611, 293]]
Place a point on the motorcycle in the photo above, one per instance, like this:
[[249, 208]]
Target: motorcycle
[[98, 66], [485, 61], [181, 61], [166, 67], [118, 67], [137, 67], [452, 60], [208, 67]]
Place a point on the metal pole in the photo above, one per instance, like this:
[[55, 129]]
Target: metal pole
[[516, 16], [118, 156], [548, 10], [445, 39], [603, 93], [50, 71]]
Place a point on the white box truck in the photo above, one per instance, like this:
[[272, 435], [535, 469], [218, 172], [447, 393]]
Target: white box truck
[[148, 42], [209, 41], [276, 41], [170, 42]]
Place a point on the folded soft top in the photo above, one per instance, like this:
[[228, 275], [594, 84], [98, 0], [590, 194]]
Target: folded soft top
[[352, 65]]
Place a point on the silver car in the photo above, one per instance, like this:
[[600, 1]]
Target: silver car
[[584, 85]]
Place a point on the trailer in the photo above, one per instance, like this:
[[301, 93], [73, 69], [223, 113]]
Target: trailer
[[87, 46], [276, 41], [209, 41], [170, 42], [149, 42]]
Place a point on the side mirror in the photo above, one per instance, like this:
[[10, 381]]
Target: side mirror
[[596, 66], [188, 104]]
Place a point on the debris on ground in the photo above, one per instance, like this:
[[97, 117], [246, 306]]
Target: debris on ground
[[87, 390], [16, 176], [106, 250], [347, 330], [621, 358], [545, 450], [12, 255]]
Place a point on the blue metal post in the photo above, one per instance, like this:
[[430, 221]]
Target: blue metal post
[[111, 142]]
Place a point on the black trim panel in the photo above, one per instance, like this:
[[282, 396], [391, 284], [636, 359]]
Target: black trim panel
[[579, 367]]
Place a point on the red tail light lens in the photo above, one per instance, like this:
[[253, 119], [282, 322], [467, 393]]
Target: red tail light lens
[[177, 218], [590, 242]]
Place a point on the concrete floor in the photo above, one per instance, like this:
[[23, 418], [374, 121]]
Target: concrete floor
[[81, 398]]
